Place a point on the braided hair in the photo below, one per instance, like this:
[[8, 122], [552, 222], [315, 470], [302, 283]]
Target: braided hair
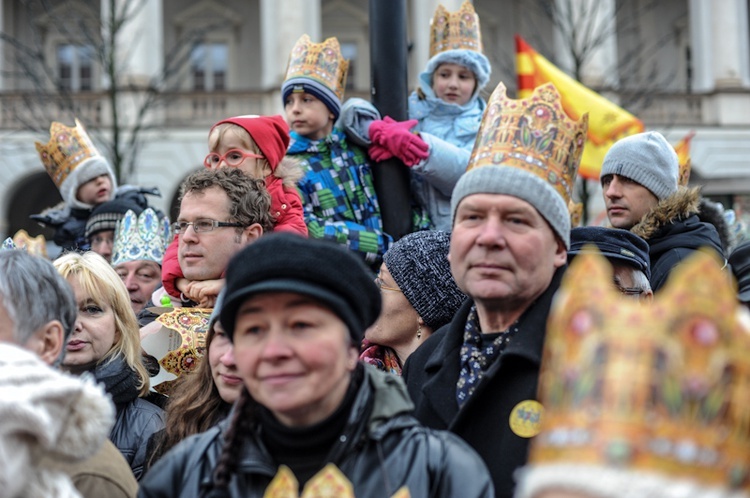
[[239, 427]]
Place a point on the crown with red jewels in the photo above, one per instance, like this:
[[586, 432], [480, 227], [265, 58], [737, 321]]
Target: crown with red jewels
[[533, 134], [660, 387], [455, 30], [321, 62], [66, 149], [140, 237]]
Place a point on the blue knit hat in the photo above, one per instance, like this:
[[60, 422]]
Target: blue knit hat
[[314, 88], [647, 159]]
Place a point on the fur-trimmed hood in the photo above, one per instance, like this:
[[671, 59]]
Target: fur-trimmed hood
[[289, 171], [678, 206]]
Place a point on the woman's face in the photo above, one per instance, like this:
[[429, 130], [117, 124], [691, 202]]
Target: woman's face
[[94, 334], [294, 355], [223, 368], [397, 323], [453, 83]]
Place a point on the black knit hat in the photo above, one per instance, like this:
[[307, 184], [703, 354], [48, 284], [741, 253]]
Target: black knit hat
[[106, 215], [613, 243], [739, 260], [418, 263], [323, 270]]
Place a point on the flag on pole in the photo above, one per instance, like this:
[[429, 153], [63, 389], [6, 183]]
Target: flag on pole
[[607, 121], [683, 156]]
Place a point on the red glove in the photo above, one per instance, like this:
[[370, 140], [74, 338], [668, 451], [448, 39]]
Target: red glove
[[398, 140], [379, 153]]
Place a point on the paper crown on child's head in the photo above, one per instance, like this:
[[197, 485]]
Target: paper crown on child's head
[[528, 148], [33, 245], [71, 159], [142, 237], [455, 30], [319, 69], [656, 389]]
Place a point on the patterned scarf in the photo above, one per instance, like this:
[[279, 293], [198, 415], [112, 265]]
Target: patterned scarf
[[382, 357], [474, 358]]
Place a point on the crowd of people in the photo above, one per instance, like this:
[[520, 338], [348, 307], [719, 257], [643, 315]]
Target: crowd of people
[[496, 351]]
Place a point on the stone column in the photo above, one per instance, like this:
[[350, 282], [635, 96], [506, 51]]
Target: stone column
[[282, 23], [140, 41]]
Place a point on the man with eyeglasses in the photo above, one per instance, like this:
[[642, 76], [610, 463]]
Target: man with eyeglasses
[[626, 252]]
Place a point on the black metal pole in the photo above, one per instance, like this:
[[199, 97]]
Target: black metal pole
[[389, 90]]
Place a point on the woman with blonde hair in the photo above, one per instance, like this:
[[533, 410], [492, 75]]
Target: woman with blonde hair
[[106, 343]]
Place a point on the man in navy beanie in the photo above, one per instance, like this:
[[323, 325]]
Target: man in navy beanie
[[641, 193]]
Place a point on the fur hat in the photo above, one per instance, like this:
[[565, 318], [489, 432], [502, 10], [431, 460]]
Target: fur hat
[[614, 244], [323, 270], [45, 413], [418, 263], [270, 133], [647, 159]]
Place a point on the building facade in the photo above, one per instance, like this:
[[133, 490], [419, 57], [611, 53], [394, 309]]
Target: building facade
[[181, 65]]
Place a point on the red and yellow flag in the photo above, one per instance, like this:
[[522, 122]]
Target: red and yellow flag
[[683, 156], [607, 121]]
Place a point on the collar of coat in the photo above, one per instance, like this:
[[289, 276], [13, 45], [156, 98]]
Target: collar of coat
[[678, 206]]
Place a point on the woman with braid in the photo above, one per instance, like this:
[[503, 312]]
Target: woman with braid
[[311, 416]]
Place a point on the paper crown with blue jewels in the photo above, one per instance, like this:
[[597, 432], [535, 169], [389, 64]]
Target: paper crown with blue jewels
[[140, 237]]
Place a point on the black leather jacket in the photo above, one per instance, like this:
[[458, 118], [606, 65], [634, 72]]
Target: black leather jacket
[[381, 450], [134, 425]]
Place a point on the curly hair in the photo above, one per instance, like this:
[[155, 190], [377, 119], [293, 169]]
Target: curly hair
[[249, 200]]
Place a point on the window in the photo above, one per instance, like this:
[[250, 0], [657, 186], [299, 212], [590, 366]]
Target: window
[[208, 66], [75, 67], [349, 51]]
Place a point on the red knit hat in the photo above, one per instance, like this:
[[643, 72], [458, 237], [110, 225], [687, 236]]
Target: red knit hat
[[271, 133]]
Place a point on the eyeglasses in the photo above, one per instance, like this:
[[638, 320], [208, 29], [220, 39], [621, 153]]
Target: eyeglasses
[[382, 286], [202, 225], [233, 157], [630, 291]]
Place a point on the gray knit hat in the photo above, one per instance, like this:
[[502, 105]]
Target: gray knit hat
[[519, 183], [419, 264], [647, 159]]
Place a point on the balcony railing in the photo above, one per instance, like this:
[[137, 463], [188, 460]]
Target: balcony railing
[[201, 109]]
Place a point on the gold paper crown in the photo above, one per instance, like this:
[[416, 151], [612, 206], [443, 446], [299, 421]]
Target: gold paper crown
[[661, 388], [66, 149], [329, 482], [533, 134], [321, 62], [33, 245], [684, 177], [455, 30]]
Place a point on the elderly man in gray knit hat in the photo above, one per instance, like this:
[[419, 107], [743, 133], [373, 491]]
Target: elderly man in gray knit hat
[[641, 193], [477, 375]]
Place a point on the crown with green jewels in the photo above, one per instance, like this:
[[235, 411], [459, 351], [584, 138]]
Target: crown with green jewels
[[140, 237]]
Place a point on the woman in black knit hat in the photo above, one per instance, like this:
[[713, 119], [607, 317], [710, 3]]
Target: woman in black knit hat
[[419, 296], [311, 416]]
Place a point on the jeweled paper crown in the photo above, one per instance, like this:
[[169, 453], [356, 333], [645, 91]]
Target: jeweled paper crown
[[455, 30], [140, 237], [532, 134], [660, 388], [66, 149], [329, 481], [33, 245], [321, 62]]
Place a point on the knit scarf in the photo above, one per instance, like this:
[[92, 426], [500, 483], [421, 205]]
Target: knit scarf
[[474, 358], [120, 381]]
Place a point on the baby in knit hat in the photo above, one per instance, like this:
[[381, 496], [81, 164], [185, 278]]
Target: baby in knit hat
[[256, 145]]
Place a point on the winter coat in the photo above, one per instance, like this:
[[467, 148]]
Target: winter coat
[[105, 474], [136, 419], [381, 449], [338, 194], [431, 374], [450, 131], [674, 231]]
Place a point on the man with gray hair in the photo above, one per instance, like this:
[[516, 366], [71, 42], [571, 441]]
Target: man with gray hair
[[38, 312], [641, 193]]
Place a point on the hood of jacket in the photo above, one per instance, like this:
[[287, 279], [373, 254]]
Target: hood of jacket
[[674, 223]]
